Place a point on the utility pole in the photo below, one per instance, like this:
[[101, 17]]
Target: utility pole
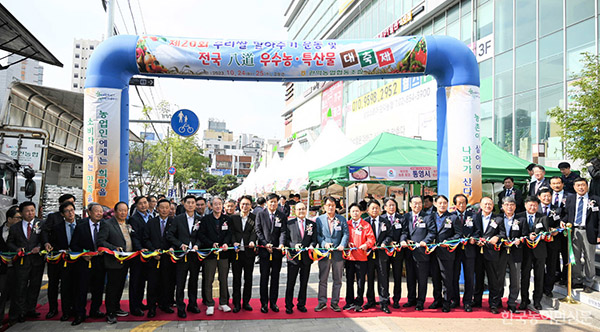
[[111, 18]]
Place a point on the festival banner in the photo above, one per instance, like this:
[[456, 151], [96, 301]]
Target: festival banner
[[280, 60], [464, 141], [396, 173], [331, 104], [101, 150]]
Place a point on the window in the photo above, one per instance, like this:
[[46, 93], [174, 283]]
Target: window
[[551, 16], [525, 67], [524, 21], [76, 75], [580, 39], [75, 85], [578, 10], [503, 66], [486, 119], [550, 97], [484, 24], [77, 46], [76, 65], [485, 74], [503, 123], [503, 32], [551, 59], [525, 124], [92, 47], [76, 55]]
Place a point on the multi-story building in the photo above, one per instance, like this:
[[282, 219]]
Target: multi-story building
[[82, 50], [28, 71], [528, 53]]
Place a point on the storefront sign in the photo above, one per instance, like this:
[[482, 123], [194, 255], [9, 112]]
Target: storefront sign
[[400, 173], [402, 21]]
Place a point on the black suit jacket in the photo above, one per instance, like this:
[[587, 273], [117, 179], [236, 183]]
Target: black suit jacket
[[451, 230], [385, 230], [397, 227], [293, 237], [592, 231], [493, 229], [533, 192], [541, 223], [267, 232], [213, 230], [82, 237], [179, 232], [51, 220], [111, 237], [139, 225], [17, 239], [247, 234], [424, 231], [469, 230], [3, 248], [153, 239], [518, 199]]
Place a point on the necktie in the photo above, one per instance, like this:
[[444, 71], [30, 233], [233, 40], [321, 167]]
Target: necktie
[[391, 218], [415, 222], [508, 192], [28, 230], [71, 230], [579, 215], [531, 223], [272, 221], [95, 234], [556, 199], [162, 227], [301, 225], [462, 219]]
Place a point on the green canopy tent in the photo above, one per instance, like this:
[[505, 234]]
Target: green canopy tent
[[389, 150]]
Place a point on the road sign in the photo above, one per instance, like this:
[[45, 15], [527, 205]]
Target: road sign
[[141, 81], [171, 192], [185, 122], [172, 170]]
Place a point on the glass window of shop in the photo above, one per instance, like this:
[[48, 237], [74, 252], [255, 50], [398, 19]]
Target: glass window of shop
[[439, 24], [550, 16], [524, 21], [503, 32], [486, 119], [550, 97], [503, 119], [503, 69], [551, 59], [466, 22], [525, 67], [525, 123], [453, 23], [485, 14], [580, 39], [578, 10], [486, 80]]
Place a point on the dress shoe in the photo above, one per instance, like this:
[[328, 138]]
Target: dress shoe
[[385, 309], [562, 282], [144, 307], [264, 309], [151, 313], [247, 307], [33, 314], [78, 320], [111, 319], [549, 294], [97, 314], [194, 309], [369, 305], [274, 308], [396, 305], [588, 290], [409, 304], [121, 313], [523, 305], [65, 317], [435, 305], [513, 309], [137, 312], [537, 306], [348, 306], [419, 307], [236, 309], [358, 308], [302, 309], [454, 304], [320, 307], [468, 308], [21, 319], [181, 314], [446, 308], [494, 310], [476, 305], [289, 311], [335, 307], [577, 285], [224, 308], [51, 314], [167, 310], [210, 311]]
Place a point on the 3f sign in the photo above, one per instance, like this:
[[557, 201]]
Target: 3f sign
[[484, 48]]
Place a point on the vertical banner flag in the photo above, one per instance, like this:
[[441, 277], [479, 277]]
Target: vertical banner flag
[[101, 150], [464, 141], [331, 104]]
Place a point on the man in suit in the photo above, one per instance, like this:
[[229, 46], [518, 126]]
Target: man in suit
[[271, 228], [152, 203], [539, 173], [283, 207], [90, 270], [421, 231], [201, 206], [583, 212], [59, 238], [378, 261], [260, 205], [416, 206], [559, 245], [26, 237], [244, 239], [428, 206], [117, 235], [464, 254], [511, 257], [510, 190], [534, 223], [182, 235], [302, 233], [396, 260], [55, 217], [567, 177], [138, 270], [530, 179], [160, 267], [215, 232], [492, 232], [7, 270], [332, 234]]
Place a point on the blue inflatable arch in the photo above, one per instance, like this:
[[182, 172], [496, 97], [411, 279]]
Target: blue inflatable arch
[[116, 60]]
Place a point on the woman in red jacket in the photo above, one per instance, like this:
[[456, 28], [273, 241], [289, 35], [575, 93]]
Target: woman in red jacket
[[361, 239]]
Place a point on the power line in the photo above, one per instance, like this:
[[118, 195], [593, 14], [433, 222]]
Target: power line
[[132, 18], [122, 17], [142, 15]]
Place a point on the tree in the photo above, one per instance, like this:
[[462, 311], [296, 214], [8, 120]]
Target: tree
[[224, 184], [580, 122]]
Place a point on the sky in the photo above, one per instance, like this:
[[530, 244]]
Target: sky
[[247, 107]]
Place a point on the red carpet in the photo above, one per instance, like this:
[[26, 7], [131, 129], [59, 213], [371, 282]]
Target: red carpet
[[310, 305]]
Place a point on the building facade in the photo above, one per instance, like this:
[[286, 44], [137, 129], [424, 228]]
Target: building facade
[[82, 50], [28, 71], [528, 53]]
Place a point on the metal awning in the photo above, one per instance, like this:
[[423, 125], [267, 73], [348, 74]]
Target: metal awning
[[16, 39], [59, 112]]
